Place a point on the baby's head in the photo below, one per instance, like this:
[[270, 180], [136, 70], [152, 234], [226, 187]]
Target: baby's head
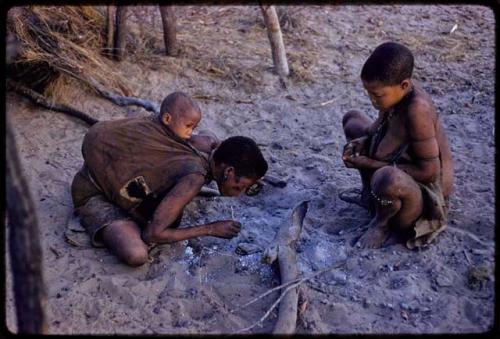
[[386, 75], [180, 114]]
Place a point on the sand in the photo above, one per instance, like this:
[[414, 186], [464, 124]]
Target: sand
[[198, 287]]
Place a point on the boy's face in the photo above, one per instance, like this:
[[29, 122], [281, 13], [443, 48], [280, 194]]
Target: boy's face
[[384, 97], [183, 124]]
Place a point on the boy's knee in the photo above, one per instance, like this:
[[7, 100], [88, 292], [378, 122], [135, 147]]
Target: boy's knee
[[385, 179], [136, 257], [350, 115]]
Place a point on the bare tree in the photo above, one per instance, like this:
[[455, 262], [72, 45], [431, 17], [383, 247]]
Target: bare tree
[[24, 246], [276, 39], [120, 32], [169, 30]]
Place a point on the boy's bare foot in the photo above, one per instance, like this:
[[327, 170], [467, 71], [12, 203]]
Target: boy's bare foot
[[374, 237]]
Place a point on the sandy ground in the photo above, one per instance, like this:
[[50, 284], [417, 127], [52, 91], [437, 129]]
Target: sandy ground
[[225, 62]]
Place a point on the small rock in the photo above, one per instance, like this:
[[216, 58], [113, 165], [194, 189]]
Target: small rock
[[275, 145], [366, 303], [443, 280], [398, 283], [245, 248]]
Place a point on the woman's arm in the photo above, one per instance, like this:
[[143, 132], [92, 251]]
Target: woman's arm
[[159, 229]]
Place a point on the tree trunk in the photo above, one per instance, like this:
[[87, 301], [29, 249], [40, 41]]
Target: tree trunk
[[109, 27], [169, 30], [24, 246], [120, 32], [276, 39]]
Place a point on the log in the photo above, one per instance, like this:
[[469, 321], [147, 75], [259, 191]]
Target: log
[[120, 32], [44, 102], [24, 246], [276, 39], [110, 29], [283, 250], [169, 30]]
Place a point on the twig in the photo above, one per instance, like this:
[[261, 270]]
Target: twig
[[270, 309], [298, 280], [467, 257], [470, 235], [232, 213]]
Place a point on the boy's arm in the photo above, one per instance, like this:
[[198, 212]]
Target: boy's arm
[[170, 208], [422, 134]]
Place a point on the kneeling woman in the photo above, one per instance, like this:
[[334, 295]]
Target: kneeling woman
[[138, 176]]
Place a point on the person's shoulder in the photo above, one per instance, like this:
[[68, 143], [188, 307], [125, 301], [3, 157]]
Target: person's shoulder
[[420, 105]]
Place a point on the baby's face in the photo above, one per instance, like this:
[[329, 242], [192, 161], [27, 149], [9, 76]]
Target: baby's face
[[383, 97], [184, 123]]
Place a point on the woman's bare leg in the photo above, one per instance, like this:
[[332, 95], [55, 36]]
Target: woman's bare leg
[[123, 239]]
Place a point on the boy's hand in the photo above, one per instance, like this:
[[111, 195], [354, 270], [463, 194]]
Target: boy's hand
[[360, 161], [226, 229], [354, 148]]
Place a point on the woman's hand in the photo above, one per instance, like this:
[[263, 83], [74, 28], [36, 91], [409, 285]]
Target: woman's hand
[[226, 229]]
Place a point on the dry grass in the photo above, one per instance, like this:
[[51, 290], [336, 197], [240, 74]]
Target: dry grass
[[65, 40]]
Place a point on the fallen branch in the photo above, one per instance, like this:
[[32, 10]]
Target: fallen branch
[[44, 102], [283, 250], [121, 100]]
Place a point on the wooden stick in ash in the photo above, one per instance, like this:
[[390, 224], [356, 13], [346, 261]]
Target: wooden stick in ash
[[283, 250]]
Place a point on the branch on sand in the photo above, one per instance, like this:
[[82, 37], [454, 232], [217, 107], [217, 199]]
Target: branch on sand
[[44, 102], [283, 250], [121, 100], [24, 246]]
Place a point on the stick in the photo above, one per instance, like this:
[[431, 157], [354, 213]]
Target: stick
[[314, 275], [169, 30], [24, 246], [470, 235], [269, 310], [276, 39], [44, 102], [208, 192]]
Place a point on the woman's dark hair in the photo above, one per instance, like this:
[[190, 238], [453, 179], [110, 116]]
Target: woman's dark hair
[[390, 63], [244, 155]]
